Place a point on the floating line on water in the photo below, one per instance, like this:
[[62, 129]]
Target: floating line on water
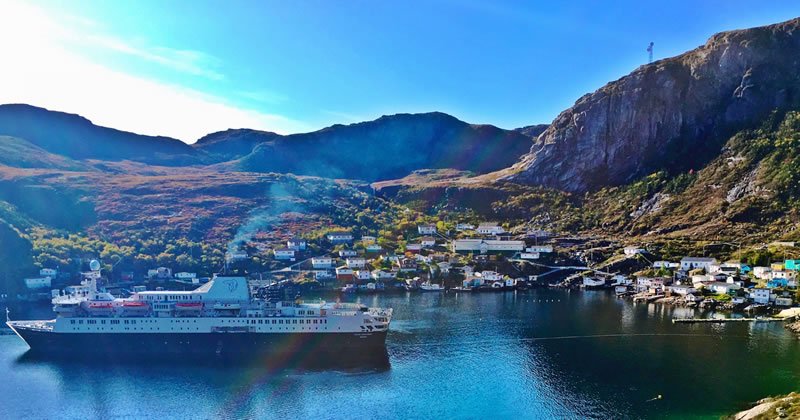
[[565, 337]]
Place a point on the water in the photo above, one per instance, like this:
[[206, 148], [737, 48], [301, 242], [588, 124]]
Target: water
[[543, 353]]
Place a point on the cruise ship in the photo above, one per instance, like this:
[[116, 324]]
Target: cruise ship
[[222, 317]]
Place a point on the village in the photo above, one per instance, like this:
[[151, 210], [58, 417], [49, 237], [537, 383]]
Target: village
[[484, 258]]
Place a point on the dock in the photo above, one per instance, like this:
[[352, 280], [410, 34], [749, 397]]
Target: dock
[[723, 320]]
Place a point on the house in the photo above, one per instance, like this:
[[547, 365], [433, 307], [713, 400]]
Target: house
[[344, 273], [408, 264], [362, 275], [760, 295], [529, 255], [427, 241], [344, 253], [651, 284], [762, 273], [444, 267], [324, 275], [366, 239], [48, 272], [776, 266], [793, 265], [237, 255], [356, 262], [693, 263], [490, 228], [593, 282], [682, 290], [383, 275], [543, 249], [297, 244], [722, 288], [632, 250], [784, 274], [413, 248], [159, 273], [340, 237], [484, 246], [538, 233], [777, 282], [185, 276], [426, 229], [34, 283], [374, 248], [464, 226], [666, 264], [322, 262], [487, 275], [284, 254], [693, 298], [783, 301]]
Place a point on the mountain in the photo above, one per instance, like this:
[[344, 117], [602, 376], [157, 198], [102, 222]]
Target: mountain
[[673, 115], [389, 147], [233, 143], [76, 137]]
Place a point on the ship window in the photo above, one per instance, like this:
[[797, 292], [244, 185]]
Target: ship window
[[71, 321], [80, 322], [294, 321], [273, 321]]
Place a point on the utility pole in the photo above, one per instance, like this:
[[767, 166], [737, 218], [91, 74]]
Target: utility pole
[[650, 53]]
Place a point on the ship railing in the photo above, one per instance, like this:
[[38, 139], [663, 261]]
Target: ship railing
[[35, 325], [342, 313]]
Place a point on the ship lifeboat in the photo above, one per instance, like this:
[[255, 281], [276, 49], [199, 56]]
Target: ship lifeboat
[[99, 307], [188, 306], [134, 304]]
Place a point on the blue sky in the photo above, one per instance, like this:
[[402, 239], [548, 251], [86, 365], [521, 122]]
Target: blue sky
[[185, 68]]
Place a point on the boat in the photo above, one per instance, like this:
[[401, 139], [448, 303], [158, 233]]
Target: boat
[[227, 321], [349, 288], [431, 287]]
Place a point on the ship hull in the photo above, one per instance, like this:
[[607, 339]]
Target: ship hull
[[228, 344]]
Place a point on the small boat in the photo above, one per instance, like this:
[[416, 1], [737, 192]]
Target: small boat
[[431, 287], [349, 288], [134, 304]]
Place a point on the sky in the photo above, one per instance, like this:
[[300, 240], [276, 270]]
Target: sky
[[184, 68]]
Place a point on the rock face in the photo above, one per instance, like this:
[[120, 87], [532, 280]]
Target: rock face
[[671, 114]]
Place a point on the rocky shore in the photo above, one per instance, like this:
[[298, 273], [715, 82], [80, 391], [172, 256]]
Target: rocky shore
[[784, 407]]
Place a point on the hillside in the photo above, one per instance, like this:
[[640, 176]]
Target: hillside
[[673, 115], [389, 147], [75, 137]]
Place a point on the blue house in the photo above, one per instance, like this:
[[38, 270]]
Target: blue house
[[777, 282], [792, 265]]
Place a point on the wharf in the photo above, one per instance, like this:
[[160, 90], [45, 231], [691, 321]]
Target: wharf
[[723, 320]]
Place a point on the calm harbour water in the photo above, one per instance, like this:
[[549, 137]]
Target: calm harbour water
[[535, 354]]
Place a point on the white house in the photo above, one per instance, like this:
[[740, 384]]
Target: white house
[[362, 275], [666, 264], [544, 249], [632, 250], [427, 241], [374, 248], [722, 288], [366, 239], [464, 226], [702, 278], [383, 275], [344, 253], [426, 229], [323, 275], [490, 275], [529, 255], [783, 301], [237, 255], [762, 273], [356, 262], [322, 262], [48, 272], [760, 295], [185, 276], [486, 245], [682, 290], [297, 244], [692, 263], [159, 273], [783, 274], [38, 282], [284, 254], [340, 237], [490, 228]]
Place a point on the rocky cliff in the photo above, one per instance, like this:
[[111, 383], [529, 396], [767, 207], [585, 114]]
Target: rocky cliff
[[673, 114]]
